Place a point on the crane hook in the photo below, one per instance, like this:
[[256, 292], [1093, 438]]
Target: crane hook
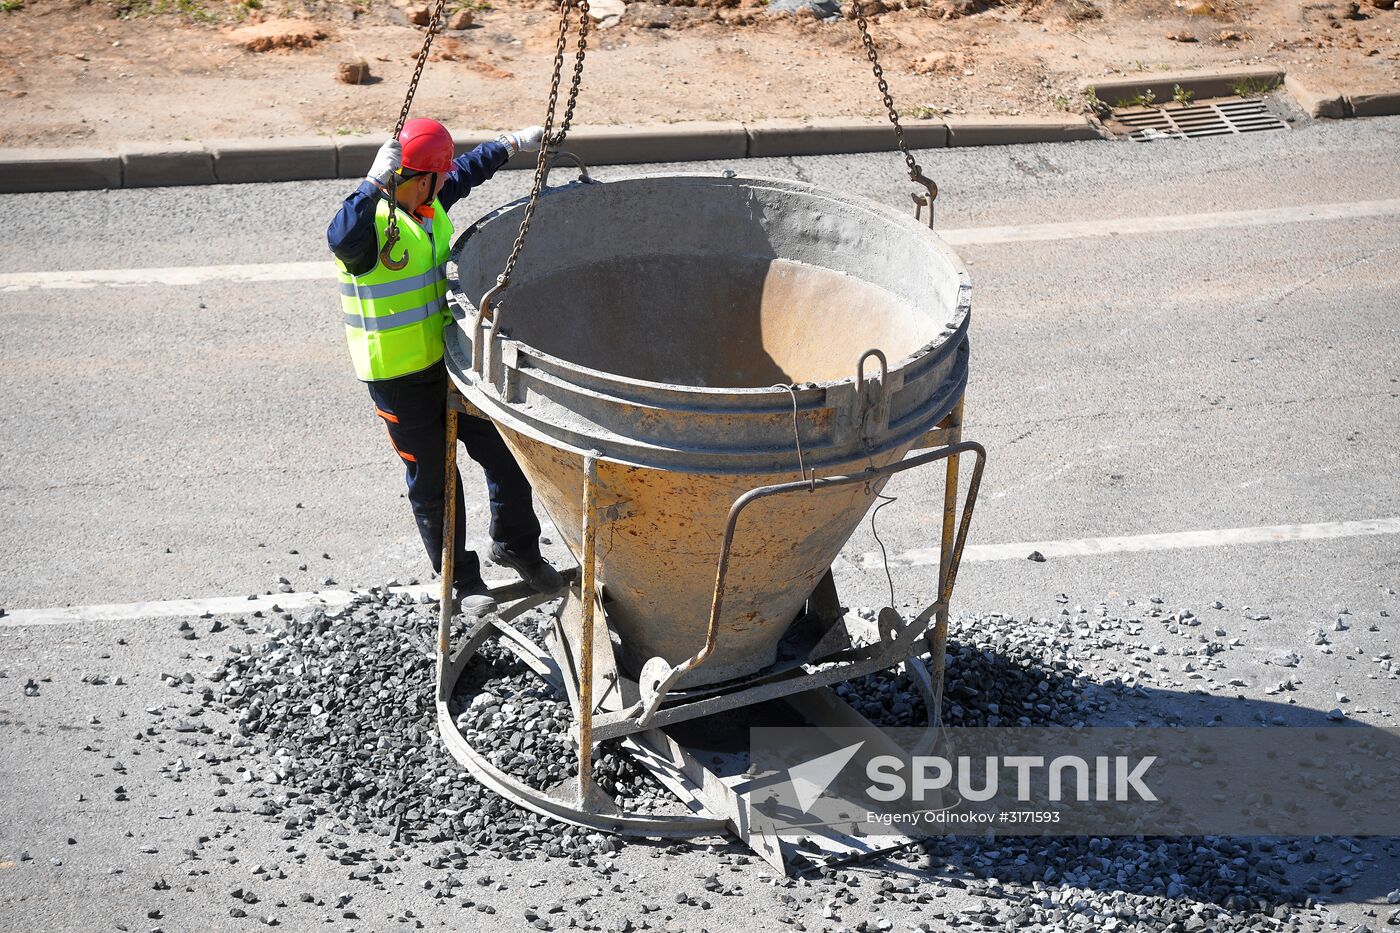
[[389, 243], [922, 201]]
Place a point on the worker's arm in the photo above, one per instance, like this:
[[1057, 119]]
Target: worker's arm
[[351, 235], [472, 169], [485, 160]]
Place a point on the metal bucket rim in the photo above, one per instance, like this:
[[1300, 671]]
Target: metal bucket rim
[[945, 340], [624, 452]]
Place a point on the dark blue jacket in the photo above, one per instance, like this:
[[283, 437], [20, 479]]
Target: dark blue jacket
[[351, 234]]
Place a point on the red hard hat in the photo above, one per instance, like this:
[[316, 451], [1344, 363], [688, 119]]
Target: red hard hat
[[427, 146]]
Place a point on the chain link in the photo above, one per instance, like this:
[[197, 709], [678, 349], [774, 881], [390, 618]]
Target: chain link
[[551, 140], [916, 174], [392, 235], [577, 80]]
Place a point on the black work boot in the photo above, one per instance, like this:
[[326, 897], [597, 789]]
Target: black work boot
[[537, 573], [474, 600]]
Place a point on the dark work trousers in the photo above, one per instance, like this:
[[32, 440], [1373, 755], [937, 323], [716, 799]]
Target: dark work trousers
[[414, 408]]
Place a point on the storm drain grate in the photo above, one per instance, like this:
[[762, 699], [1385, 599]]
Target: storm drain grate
[[1191, 121]]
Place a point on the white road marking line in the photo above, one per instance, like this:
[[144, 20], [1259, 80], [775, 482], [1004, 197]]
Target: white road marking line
[[172, 275], [1170, 223], [1263, 534], [217, 605], [968, 236], [241, 605]]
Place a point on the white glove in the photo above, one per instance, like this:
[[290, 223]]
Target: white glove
[[386, 160], [527, 140]]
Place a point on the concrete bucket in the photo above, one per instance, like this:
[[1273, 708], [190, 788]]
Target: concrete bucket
[[683, 339]]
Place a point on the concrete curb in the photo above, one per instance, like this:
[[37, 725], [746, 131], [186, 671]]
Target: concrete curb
[[251, 160], [1314, 101], [1162, 85], [25, 170], [999, 131], [1385, 104], [1333, 104], [838, 135], [673, 142], [232, 161], [169, 164]]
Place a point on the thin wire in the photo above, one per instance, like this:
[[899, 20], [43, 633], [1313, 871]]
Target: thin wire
[[612, 541], [884, 555], [797, 438]]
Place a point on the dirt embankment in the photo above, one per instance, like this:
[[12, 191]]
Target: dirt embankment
[[106, 72]]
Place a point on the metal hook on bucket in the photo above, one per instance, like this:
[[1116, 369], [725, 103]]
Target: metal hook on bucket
[[485, 315], [484, 310], [884, 369], [872, 406], [922, 201], [562, 155]]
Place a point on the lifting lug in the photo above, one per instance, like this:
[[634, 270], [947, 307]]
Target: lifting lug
[[922, 201]]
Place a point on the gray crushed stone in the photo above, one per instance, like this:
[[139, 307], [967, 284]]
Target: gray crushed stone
[[331, 733]]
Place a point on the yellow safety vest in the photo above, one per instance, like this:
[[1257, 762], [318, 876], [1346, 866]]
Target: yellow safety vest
[[394, 319]]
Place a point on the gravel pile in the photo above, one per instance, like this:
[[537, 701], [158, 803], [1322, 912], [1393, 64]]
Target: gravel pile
[[993, 678], [343, 700], [1205, 883], [523, 725], [334, 734], [1023, 672]]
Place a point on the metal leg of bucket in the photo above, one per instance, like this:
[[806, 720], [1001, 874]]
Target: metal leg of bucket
[[449, 536], [938, 640], [585, 667]]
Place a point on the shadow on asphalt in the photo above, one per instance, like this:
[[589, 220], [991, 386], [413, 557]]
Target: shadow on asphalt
[[982, 683]]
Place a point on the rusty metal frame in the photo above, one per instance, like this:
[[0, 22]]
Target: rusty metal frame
[[949, 558], [587, 586], [641, 722], [658, 677], [558, 803], [587, 810]]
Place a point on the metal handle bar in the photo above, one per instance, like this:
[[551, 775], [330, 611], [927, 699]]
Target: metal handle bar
[[572, 158], [652, 696]]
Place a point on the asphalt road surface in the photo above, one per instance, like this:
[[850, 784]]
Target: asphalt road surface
[[1186, 382]]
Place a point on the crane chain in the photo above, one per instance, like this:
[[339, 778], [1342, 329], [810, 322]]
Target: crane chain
[[551, 140], [391, 236], [577, 80], [916, 174]]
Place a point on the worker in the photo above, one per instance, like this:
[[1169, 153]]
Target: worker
[[394, 320]]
